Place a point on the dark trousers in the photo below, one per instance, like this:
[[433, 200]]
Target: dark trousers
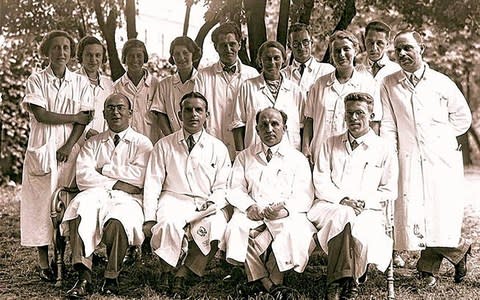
[[340, 256], [431, 258], [114, 238]]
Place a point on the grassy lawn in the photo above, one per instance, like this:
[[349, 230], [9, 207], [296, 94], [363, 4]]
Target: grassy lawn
[[18, 279]]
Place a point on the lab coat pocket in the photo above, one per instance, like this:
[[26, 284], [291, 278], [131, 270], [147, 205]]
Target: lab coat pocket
[[440, 110], [39, 160], [372, 175]]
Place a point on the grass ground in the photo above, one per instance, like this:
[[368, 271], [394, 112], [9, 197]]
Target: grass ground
[[18, 279]]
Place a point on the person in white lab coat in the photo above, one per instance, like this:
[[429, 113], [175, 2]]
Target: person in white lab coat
[[355, 175], [59, 105], [324, 108], [271, 190], [184, 196], [424, 113], [110, 175], [220, 83], [304, 69], [269, 89]]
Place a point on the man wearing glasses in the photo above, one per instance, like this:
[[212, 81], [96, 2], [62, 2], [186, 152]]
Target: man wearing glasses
[[304, 69]]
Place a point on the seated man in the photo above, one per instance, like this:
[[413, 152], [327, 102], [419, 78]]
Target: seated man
[[110, 174], [354, 176], [271, 191], [184, 194]]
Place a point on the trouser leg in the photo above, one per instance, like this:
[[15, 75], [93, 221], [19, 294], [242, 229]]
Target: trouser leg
[[82, 264], [431, 258], [341, 263], [272, 267], [116, 241], [196, 261], [254, 264]]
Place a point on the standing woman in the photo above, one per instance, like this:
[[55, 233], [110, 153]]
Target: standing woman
[[59, 104], [140, 87], [184, 52], [91, 54]]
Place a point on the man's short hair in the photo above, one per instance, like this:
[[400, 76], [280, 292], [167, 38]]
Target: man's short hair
[[47, 41], [129, 102], [134, 43], [281, 112], [299, 27], [271, 44], [89, 40], [361, 97], [194, 95], [378, 26], [342, 35], [191, 46], [225, 29], [414, 33]]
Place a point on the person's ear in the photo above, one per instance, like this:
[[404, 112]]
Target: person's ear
[[207, 114], [179, 114], [256, 129], [422, 48], [372, 115]]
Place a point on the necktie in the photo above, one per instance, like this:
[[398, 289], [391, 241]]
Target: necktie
[[375, 68], [354, 144], [414, 80], [301, 69], [230, 69], [116, 140], [190, 143], [269, 154]]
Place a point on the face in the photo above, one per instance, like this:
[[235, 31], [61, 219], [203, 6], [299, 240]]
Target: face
[[343, 53], [227, 48], [59, 52], [92, 57], [182, 57], [193, 114], [270, 127], [301, 45], [408, 52], [135, 59], [376, 43], [357, 117], [272, 62], [116, 113]]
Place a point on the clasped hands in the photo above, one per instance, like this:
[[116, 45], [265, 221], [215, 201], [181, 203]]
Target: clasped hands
[[271, 212], [357, 205]]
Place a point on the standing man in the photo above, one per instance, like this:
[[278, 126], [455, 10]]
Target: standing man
[[424, 112], [184, 194], [110, 174], [221, 82], [271, 191], [304, 69]]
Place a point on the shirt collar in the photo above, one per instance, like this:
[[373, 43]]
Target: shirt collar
[[146, 78], [196, 136], [418, 73], [177, 80], [218, 67], [307, 64], [364, 139], [124, 135], [355, 80], [68, 76]]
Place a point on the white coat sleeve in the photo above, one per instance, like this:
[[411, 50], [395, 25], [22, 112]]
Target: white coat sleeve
[[302, 196], [161, 92], [239, 118], [219, 187], [459, 115], [34, 93], [237, 194], [154, 179], [388, 128]]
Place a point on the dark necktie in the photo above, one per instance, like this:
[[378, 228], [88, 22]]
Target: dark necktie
[[375, 68], [269, 154], [301, 69], [190, 143], [414, 80], [354, 144], [230, 69], [116, 140]]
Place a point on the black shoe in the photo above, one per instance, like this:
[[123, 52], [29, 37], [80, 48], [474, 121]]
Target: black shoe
[[178, 288], [429, 279], [350, 291], [110, 287], [46, 275], [133, 253], [80, 290], [461, 267], [283, 292], [334, 290]]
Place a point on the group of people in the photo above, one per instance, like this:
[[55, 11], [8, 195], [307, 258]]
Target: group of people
[[255, 168]]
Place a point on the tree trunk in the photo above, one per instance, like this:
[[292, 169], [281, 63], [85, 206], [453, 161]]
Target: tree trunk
[[257, 32], [108, 31], [307, 11], [130, 17], [202, 33], [186, 22], [348, 13], [282, 27]]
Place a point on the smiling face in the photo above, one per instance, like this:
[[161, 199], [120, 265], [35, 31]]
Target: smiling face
[[92, 58], [193, 114], [135, 59], [301, 44], [376, 43], [343, 53], [270, 127], [59, 52], [272, 62], [183, 58], [408, 52], [357, 117], [117, 113], [227, 48]]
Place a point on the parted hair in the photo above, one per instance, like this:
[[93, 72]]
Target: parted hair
[[191, 46], [47, 41], [378, 26], [298, 27], [271, 44], [90, 40], [134, 43], [225, 29], [194, 95], [281, 112], [362, 97]]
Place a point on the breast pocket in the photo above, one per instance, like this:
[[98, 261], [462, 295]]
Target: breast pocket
[[439, 109]]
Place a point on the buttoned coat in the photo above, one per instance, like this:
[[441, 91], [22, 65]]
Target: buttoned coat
[[286, 178], [423, 122]]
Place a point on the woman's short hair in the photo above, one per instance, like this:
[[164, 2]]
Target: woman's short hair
[[89, 40], [191, 46], [47, 41], [342, 35], [271, 44], [134, 43]]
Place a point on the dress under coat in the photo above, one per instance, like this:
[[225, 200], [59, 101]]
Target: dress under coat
[[423, 122]]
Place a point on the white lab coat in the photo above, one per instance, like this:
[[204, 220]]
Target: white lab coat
[[325, 105], [423, 122], [42, 174], [369, 173], [313, 70], [97, 202], [221, 91], [170, 90], [177, 184], [141, 97], [286, 178], [389, 67], [254, 95]]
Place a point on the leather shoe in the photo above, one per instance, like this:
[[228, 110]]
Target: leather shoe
[[46, 275], [461, 267], [178, 288], [81, 289], [110, 287], [133, 253], [350, 290], [334, 290], [429, 279]]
